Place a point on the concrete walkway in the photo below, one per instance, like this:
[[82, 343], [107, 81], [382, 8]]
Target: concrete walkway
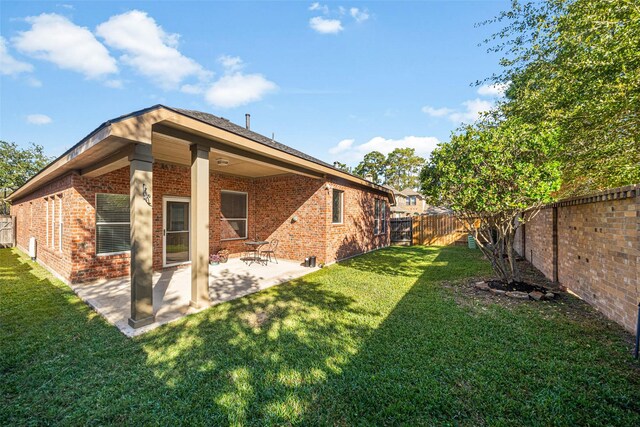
[[172, 290]]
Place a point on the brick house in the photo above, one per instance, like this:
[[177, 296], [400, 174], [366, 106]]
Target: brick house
[[162, 187], [408, 202]]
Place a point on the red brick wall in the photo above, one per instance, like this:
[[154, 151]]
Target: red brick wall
[[272, 204], [278, 201], [355, 235], [32, 221], [598, 252]]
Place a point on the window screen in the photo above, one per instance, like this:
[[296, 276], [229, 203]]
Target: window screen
[[376, 217], [233, 208], [112, 223], [337, 206]]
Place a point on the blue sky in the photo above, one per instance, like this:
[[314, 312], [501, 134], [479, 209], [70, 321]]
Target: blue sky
[[333, 79]]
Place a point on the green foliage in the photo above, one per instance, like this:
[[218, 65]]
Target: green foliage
[[403, 168], [372, 165], [488, 174], [17, 165], [400, 169], [20, 164], [377, 340], [575, 64]]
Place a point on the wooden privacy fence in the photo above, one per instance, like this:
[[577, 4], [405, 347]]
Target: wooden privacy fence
[[7, 233], [441, 230]]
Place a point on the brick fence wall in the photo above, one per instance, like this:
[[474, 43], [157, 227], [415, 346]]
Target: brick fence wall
[[595, 252]]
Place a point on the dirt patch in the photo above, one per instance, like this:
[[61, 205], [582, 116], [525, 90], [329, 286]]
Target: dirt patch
[[515, 286], [466, 294]]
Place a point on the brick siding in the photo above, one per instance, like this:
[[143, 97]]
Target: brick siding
[[598, 251], [273, 202]]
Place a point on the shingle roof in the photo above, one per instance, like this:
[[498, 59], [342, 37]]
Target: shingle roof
[[410, 192], [225, 124]]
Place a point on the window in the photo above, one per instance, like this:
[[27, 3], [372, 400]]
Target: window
[[233, 210], [53, 222], [46, 220], [411, 200], [60, 222], [337, 207], [380, 217], [112, 223]]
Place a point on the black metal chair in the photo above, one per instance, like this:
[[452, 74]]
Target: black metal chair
[[270, 253]]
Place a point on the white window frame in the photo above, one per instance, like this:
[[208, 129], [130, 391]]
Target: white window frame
[[46, 220], [379, 217], [60, 222], [166, 199], [246, 215], [53, 222], [341, 192], [106, 223]]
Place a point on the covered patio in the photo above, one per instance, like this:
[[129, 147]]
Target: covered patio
[[172, 290]]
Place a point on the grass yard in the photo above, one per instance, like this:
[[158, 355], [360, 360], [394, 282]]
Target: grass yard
[[381, 339]]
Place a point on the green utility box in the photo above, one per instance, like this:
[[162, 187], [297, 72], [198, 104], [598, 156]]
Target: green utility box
[[471, 241]]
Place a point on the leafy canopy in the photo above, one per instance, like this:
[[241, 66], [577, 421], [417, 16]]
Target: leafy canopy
[[401, 168], [575, 65], [488, 174], [17, 164]]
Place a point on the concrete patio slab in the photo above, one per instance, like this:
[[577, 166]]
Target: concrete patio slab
[[172, 290]]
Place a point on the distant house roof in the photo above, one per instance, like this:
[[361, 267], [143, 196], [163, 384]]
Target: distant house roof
[[437, 210], [411, 192]]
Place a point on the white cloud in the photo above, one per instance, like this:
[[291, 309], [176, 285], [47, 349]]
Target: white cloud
[[469, 114], [149, 49], [33, 82], [325, 26], [38, 119], [55, 39], [351, 152], [114, 84], [493, 90], [231, 64], [234, 90], [472, 111], [358, 14], [342, 146], [319, 7], [9, 66], [437, 112]]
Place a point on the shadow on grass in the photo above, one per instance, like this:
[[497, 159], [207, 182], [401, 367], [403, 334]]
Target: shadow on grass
[[374, 340]]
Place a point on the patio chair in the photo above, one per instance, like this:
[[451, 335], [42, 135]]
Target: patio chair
[[269, 254]]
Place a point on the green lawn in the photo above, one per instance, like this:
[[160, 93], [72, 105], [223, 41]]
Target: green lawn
[[381, 339]]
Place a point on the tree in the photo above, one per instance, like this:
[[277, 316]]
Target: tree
[[403, 168], [488, 174], [575, 64], [19, 164], [372, 165]]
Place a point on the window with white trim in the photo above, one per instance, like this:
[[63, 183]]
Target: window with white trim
[[234, 212], [46, 221], [112, 223], [337, 205], [60, 222], [52, 200], [380, 217]]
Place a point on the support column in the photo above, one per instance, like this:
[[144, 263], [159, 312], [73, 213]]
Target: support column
[[141, 217], [199, 226]]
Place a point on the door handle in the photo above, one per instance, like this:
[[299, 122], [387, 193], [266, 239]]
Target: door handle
[[164, 232]]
